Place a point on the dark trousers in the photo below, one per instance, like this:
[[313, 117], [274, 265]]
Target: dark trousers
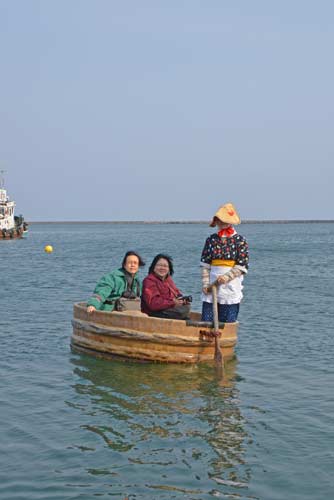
[[177, 312], [227, 313]]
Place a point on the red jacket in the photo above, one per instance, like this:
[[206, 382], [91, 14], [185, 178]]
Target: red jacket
[[158, 294]]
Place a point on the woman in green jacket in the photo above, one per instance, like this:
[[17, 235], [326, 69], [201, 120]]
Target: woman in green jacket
[[122, 282]]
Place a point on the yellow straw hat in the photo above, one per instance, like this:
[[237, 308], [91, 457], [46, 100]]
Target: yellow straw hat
[[226, 213]]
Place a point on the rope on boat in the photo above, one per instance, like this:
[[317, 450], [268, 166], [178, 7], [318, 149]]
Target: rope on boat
[[210, 334]]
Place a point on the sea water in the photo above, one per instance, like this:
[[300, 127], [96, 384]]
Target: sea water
[[76, 427]]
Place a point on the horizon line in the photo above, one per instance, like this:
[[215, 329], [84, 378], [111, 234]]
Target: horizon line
[[250, 221]]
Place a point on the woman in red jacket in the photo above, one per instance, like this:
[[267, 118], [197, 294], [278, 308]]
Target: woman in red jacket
[[160, 297]]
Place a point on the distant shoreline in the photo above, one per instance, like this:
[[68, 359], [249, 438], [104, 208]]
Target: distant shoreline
[[292, 221]]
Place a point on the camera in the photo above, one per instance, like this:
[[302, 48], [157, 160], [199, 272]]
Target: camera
[[186, 298]]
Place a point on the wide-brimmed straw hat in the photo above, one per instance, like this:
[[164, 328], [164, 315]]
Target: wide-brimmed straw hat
[[226, 213]]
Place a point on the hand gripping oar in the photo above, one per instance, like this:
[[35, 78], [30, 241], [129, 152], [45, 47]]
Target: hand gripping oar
[[219, 360]]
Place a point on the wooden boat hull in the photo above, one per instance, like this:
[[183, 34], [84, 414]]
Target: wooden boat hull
[[136, 336]]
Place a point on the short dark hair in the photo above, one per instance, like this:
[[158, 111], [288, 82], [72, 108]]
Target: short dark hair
[[128, 254], [162, 256]]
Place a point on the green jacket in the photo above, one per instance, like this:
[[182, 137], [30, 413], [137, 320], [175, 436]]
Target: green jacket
[[111, 287]]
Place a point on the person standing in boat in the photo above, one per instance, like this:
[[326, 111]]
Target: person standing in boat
[[122, 282], [224, 261], [161, 297]]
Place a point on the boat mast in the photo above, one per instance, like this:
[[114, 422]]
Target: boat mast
[[2, 179]]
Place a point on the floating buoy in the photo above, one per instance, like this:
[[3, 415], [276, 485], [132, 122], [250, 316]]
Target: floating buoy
[[48, 249]]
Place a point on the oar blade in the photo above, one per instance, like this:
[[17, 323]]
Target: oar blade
[[218, 357]]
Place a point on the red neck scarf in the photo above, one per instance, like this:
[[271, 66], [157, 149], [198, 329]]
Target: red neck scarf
[[227, 232]]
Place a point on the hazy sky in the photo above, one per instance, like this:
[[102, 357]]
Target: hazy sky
[[164, 110]]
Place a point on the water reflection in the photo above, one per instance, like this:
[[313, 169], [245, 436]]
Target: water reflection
[[171, 427]]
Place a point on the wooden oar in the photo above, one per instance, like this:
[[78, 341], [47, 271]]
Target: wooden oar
[[219, 360]]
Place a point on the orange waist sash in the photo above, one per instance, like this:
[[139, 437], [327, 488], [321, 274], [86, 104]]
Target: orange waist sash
[[221, 262]]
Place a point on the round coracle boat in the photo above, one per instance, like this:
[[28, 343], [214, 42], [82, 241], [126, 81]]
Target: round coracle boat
[[134, 335]]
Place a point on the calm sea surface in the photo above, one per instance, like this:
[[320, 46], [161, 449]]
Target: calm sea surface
[[75, 427]]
